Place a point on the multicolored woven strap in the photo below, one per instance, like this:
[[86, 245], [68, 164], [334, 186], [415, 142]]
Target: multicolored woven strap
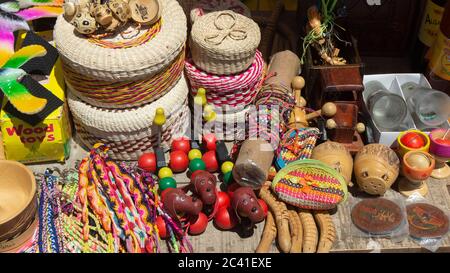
[[233, 90], [123, 94], [296, 144], [310, 184]]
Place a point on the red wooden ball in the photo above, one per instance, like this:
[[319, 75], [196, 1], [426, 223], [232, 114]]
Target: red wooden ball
[[223, 200], [413, 140], [198, 224], [162, 231], [210, 161], [179, 161], [209, 141], [181, 144], [263, 206], [225, 218], [147, 162]]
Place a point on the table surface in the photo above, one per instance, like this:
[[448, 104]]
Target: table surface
[[214, 240]]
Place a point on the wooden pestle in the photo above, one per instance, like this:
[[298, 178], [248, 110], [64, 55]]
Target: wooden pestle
[[298, 114]]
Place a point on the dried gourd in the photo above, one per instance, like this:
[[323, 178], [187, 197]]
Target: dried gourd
[[296, 229], [281, 215], [327, 231], [310, 233], [269, 234]]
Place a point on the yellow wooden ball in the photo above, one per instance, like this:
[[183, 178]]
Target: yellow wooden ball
[[194, 153], [227, 166], [165, 172]]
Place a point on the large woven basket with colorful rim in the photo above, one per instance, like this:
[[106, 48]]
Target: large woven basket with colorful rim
[[296, 144], [310, 184]]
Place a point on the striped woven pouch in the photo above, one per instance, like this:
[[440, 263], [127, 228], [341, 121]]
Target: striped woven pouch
[[296, 144], [310, 184]]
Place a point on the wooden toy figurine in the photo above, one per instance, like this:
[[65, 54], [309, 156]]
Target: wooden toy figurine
[[299, 118]]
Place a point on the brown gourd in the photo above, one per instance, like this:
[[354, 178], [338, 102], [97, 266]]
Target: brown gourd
[[281, 215], [295, 226], [269, 234], [327, 231], [310, 233]]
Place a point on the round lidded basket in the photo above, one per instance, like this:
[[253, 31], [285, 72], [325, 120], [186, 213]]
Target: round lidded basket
[[143, 60], [224, 42], [18, 203]]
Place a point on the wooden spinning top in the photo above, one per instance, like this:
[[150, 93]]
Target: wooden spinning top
[[200, 98], [160, 117]]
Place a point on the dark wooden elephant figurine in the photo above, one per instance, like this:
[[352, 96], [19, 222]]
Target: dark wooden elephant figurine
[[176, 202], [245, 203]]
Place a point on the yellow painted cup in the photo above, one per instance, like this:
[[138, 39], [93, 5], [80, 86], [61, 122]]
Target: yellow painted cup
[[403, 149]]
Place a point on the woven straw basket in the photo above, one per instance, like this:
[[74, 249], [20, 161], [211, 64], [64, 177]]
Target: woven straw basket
[[129, 133], [107, 64], [310, 184], [237, 90], [224, 42]]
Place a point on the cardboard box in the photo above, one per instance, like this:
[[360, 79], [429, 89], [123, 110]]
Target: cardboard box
[[46, 141], [394, 82]]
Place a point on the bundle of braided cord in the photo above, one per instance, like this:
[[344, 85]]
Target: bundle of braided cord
[[102, 206]]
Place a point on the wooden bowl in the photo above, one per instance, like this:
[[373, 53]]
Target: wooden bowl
[[403, 149], [18, 199]]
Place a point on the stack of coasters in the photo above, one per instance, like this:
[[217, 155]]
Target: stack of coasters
[[44, 135], [377, 216]]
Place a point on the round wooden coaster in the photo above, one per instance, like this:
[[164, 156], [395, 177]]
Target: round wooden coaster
[[377, 216], [426, 221], [144, 11]]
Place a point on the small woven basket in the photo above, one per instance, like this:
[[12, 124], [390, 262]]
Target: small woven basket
[[224, 42], [310, 184], [129, 133], [237, 90], [91, 58]]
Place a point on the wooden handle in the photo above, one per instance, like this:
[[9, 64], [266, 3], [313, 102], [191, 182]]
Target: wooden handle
[[298, 115]]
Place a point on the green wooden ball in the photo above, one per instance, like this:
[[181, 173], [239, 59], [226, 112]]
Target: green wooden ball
[[197, 164], [167, 182]]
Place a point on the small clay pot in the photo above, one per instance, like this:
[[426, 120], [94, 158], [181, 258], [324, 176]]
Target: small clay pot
[[84, 23], [120, 9], [336, 156], [145, 11], [376, 168], [403, 149], [417, 166], [102, 14]]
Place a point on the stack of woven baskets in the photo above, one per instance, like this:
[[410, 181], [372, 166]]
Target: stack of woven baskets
[[115, 84], [225, 61]]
